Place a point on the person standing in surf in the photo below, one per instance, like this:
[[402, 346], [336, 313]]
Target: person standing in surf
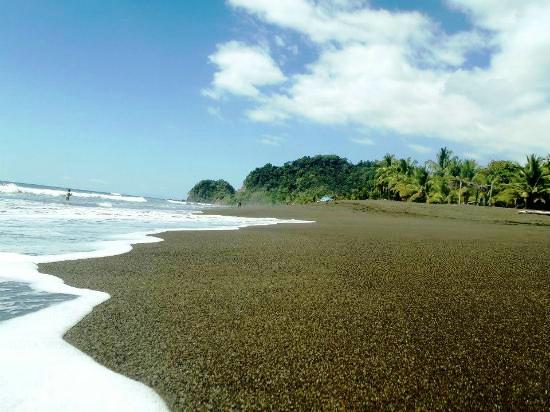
[[68, 195]]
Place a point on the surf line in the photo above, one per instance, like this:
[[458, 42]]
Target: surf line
[[41, 371]]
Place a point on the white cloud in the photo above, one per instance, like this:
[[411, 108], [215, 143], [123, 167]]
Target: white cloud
[[398, 72], [327, 21], [418, 148], [365, 141], [241, 69], [472, 155], [215, 111], [279, 41], [348, 21], [497, 14], [271, 140], [282, 44]]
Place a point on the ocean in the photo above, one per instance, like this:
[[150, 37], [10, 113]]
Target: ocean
[[37, 224]]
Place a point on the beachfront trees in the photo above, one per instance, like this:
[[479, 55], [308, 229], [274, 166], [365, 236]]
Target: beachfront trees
[[385, 175], [421, 185], [452, 179], [494, 181], [441, 191], [531, 183], [467, 171], [441, 176], [444, 161], [447, 179], [362, 180], [403, 180]]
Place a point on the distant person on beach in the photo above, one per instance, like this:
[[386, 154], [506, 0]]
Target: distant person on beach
[[239, 204], [68, 195]]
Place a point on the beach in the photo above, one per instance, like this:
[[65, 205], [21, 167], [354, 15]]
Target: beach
[[375, 305]]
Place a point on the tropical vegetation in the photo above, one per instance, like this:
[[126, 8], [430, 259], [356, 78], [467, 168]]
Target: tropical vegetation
[[446, 179], [308, 179], [450, 179], [212, 191]]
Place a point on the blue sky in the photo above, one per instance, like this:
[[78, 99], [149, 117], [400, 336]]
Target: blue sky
[[150, 97]]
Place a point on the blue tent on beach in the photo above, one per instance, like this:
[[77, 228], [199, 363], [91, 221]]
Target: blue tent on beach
[[326, 199]]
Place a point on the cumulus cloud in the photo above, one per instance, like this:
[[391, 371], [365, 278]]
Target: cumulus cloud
[[241, 70], [418, 148], [269, 140], [334, 21], [400, 72], [348, 21], [365, 141], [472, 155]]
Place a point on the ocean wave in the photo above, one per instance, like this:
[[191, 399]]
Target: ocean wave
[[37, 364], [184, 202], [179, 202], [13, 188]]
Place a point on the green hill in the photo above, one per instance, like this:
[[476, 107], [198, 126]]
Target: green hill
[[212, 191], [308, 179]]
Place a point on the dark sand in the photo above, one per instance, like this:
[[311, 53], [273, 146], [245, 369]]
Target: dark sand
[[377, 305]]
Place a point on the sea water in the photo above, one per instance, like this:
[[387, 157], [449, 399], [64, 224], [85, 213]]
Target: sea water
[[40, 371]]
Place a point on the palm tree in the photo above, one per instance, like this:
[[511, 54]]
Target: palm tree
[[406, 166], [494, 182], [385, 174], [445, 171], [444, 159], [440, 190], [402, 178], [421, 184], [532, 183], [466, 173]]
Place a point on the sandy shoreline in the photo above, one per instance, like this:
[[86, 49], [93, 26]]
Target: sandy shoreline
[[376, 305]]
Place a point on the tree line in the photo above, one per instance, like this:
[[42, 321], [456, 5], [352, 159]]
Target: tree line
[[446, 179], [449, 179]]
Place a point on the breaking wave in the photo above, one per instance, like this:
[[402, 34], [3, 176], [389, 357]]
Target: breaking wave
[[14, 188]]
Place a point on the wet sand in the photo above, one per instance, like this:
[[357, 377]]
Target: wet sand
[[377, 305]]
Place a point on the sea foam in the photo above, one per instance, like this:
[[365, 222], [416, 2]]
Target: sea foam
[[40, 371], [14, 188]]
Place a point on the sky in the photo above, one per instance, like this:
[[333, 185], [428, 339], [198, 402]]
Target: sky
[[144, 97]]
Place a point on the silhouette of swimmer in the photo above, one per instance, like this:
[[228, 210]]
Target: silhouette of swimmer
[[68, 195]]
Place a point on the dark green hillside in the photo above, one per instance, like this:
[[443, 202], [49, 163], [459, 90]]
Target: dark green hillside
[[309, 178], [211, 191]]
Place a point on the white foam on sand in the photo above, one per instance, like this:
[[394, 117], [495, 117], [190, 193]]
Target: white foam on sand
[[39, 370], [42, 372]]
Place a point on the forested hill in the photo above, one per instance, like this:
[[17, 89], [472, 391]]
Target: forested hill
[[212, 191], [446, 179], [308, 179]]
